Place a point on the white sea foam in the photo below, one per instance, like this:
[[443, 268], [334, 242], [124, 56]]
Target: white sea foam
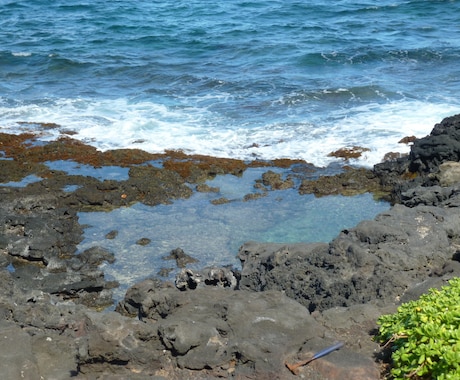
[[21, 54], [109, 124]]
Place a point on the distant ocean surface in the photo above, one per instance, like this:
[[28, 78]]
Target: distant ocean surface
[[246, 79]]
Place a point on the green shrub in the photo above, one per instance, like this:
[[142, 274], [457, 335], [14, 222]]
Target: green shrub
[[425, 335]]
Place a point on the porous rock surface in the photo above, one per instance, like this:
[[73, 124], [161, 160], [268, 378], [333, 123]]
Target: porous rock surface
[[374, 262], [288, 302]]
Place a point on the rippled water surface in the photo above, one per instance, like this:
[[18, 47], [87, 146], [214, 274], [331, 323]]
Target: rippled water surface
[[232, 78]]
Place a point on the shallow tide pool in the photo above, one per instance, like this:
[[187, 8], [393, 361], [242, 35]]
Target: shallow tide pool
[[212, 233]]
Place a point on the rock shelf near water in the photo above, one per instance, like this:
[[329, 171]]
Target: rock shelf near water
[[288, 301]]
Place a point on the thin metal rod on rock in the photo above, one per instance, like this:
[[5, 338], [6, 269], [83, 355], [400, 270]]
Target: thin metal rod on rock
[[294, 368]]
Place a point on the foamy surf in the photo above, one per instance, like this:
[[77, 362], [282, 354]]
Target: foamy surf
[[118, 123]]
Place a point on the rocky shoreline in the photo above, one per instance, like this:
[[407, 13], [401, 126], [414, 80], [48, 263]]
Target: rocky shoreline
[[288, 301]]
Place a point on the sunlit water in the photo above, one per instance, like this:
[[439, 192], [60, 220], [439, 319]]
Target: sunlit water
[[243, 79], [213, 233]]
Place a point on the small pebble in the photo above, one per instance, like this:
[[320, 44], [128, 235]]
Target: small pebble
[[164, 272], [143, 241], [112, 234]]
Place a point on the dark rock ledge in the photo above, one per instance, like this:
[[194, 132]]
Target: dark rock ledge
[[289, 300]]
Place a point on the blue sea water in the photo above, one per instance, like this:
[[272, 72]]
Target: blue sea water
[[238, 78], [233, 78]]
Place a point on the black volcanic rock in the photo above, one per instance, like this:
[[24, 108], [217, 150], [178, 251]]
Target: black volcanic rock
[[377, 261], [443, 144], [422, 165], [288, 302]]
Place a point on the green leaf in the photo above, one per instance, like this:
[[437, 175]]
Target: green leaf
[[421, 359], [425, 335]]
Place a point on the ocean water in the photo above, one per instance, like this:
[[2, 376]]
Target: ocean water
[[239, 78]]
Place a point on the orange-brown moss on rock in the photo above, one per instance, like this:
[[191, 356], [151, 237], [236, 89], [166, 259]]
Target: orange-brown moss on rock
[[11, 145], [286, 162], [352, 181], [198, 168], [407, 140], [276, 182], [14, 171], [126, 157], [283, 163], [149, 184], [24, 147], [349, 153], [64, 148], [192, 168]]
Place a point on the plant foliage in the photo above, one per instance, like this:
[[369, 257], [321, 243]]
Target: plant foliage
[[425, 335]]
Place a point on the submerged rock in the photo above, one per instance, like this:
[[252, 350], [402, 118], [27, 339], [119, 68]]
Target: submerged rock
[[111, 235], [181, 258], [276, 182], [143, 241]]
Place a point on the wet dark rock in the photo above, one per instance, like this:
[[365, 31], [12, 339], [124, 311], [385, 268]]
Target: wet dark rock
[[395, 176], [143, 241], [429, 157], [212, 276], [111, 235], [443, 144], [352, 181], [220, 201], [276, 182], [203, 188], [181, 258]]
